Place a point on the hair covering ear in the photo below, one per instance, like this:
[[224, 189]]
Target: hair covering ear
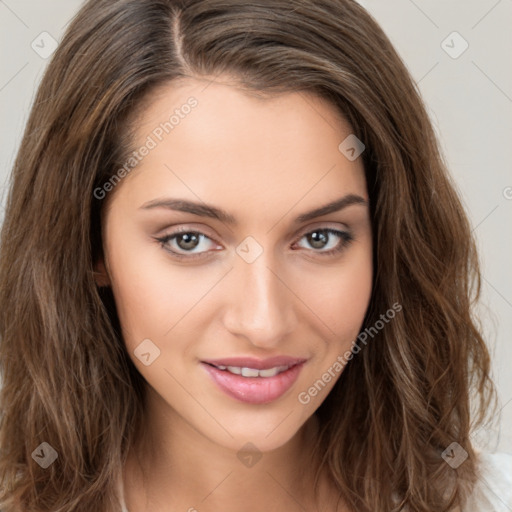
[[101, 274]]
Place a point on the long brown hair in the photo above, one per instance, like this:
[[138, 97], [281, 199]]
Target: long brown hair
[[67, 380]]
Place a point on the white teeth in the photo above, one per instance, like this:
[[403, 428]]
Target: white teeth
[[253, 372], [269, 373], [249, 372]]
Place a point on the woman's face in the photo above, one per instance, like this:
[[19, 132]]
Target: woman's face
[[218, 267]]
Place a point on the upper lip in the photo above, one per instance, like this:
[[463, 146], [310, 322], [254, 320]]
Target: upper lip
[[257, 364]]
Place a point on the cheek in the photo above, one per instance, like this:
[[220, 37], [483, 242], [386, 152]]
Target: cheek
[[338, 296], [339, 299], [151, 296]]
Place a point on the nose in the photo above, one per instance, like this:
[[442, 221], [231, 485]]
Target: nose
[[260, 305]]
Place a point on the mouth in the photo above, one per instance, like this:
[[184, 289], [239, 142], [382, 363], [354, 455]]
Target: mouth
[[254, 381]]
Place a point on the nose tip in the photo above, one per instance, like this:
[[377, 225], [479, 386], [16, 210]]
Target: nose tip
[[260, 305]]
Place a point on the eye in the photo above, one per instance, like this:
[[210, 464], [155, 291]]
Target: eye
[[325, 238], [189, 243]]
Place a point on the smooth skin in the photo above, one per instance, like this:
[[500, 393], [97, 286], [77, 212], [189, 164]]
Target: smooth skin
[[265, 161]]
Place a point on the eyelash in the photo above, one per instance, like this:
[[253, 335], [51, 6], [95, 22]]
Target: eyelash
[[346, 240]]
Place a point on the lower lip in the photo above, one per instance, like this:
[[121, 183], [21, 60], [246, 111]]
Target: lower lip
[[254, 390]]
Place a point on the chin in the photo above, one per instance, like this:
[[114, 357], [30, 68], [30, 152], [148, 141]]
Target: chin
[[267, 429]]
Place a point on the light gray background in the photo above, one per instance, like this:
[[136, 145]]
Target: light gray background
[[469, 99]]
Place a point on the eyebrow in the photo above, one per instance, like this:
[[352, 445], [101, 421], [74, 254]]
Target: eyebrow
[[205, 210]]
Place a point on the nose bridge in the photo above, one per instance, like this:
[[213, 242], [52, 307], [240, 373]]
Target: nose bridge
[[261, 306]]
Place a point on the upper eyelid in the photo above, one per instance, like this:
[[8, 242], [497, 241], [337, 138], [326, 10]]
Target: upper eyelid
[[182, 228], [321, 226]]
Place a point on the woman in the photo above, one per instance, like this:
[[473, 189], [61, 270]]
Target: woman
[[235, 273]]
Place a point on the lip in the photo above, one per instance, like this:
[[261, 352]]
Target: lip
[[255, 390]]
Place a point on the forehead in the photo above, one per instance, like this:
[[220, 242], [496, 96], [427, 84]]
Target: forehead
[[213, 141]]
